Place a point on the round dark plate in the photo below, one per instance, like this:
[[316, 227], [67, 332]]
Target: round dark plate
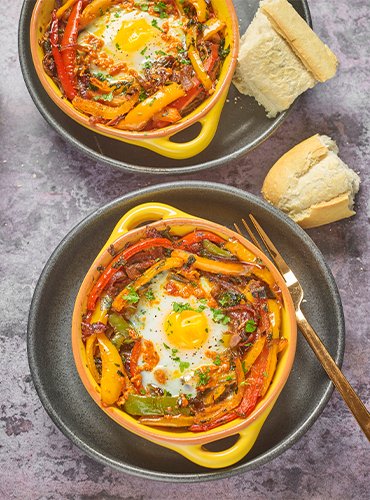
[[243, 124], [74, 411]]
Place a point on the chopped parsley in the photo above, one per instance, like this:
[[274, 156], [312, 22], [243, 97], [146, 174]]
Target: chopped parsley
[[160, 53], [118, 46], [155, 24], [161, 9], [229, 299], [223, 51], [149, 294], [183, 365], [144, 50], [132, 296], [143, 95], [104, 97], [219, 316], [147, 64], [217, 361], [179, 306], [250, 326], [203, 377]]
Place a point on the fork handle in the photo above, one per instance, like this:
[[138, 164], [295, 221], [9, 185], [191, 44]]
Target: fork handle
[[347, 392]]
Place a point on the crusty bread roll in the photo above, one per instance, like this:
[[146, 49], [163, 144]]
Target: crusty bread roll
[[311, 184], [280, 57]]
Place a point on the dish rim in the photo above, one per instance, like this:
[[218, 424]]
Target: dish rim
[[188, 477], [25, 59]]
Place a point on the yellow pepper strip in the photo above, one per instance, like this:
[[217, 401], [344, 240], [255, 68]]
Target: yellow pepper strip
[[275, 320], [198, 67], [94, 9], [212, 26], [102, 110], [236, 248], [253, 354], [112, 379], [63, 8], [90, 348], [145, 110], [179, 6], [100, 314], [163, 265], [201, 8], [214, 266]]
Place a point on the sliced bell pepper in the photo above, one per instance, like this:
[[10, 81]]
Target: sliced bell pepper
[[69, 42], [64, 78], [163, 265], [112, 379], [253, 354], [154, 405], [211, 27], [65, 7], [254, 384], [122, 257], [198, 67], [98, 109], [100, 314], [213, 266], [243, 254], [124, 333], [275, 321], [90, 351], [201, 9], [94, 9], [138, 117], [197, 237], [216, 250]]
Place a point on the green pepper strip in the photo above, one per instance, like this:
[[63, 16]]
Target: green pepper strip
[[216, 250], [121, 330], [156, 405]]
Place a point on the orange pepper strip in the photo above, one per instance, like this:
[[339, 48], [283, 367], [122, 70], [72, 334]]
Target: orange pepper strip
[[120, 300], [64, 7], [90, 348], [275, 321], [195, 59], [253, 353], [212, 26], [145, 110], [201, 8], [240, 251], [94, 9], [214, 266], [112, 380], [102, 110]]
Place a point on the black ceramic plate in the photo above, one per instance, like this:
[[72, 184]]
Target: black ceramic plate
[[243, 124], [49, 335]]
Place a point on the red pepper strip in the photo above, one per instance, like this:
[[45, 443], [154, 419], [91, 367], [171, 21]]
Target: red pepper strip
[[255, 382], [64, 79], [134, 360], [215, 423], [69, 42], [197, 237], [124, 256]]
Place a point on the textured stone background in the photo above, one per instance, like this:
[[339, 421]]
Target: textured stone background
[[47, 188]]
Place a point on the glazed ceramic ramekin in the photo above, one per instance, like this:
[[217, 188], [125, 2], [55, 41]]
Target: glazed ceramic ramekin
[[190, 445], [207, 114]]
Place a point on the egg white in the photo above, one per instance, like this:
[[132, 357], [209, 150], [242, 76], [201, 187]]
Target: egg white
[[149, 320], [129, 36]]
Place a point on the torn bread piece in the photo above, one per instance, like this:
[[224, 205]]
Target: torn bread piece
[[280, 57], [311, 184]]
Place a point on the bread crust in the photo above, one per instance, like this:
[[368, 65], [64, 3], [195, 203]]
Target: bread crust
[[314, 54], [291, 165], [311, 184], [327, 211]]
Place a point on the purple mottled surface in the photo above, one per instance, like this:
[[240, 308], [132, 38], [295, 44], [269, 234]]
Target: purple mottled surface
[[47, 188]]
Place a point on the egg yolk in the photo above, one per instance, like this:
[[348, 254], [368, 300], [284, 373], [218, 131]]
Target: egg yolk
[[134, 35], [186, 329]]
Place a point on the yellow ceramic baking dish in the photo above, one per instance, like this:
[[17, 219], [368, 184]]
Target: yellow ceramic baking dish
[[159, 141], [188, 444]]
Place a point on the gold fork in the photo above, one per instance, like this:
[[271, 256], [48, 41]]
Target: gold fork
[[347, 392]]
